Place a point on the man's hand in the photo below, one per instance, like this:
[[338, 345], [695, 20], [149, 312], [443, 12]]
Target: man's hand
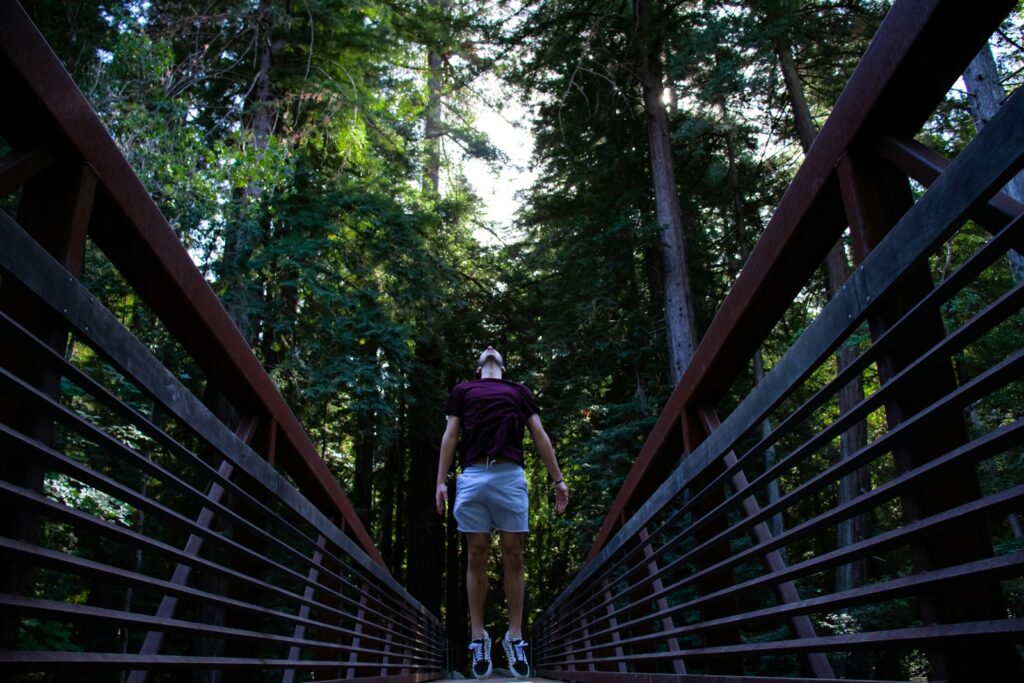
[[441, 497], [444, 463], [561, 497]]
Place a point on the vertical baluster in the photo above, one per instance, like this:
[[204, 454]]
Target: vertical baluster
[[153, 641], [728, 635], [614, 623], [570, 657], [678, 667], [592, 623], [308, 594], [353, 656], [389, 638], [406, 657], [773, 560]]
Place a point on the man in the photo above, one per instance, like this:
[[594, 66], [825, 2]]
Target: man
[[491, 493]]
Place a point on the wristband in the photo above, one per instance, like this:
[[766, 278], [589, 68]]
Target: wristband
[[559, 482]]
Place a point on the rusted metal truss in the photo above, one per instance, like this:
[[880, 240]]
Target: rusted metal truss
[[713, 521], [231, 549]]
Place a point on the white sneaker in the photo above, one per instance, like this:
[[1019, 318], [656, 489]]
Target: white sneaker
[[481, 654], [517, 663]]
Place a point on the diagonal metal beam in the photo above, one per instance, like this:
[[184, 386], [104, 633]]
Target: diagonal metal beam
[[153, 641], [896, 86], [137, 239], [786, 590]]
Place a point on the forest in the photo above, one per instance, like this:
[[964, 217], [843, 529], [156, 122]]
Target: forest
[[319, 159]]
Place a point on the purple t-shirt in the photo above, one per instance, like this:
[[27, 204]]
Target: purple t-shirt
[[492, 414]]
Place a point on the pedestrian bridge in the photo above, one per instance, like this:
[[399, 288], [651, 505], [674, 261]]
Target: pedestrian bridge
[[245, 560]]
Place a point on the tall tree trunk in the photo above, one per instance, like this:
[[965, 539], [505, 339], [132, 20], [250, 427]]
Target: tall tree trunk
[[985, 96], [432, 130], [805, 129], [425, 534], [396, 561], [261, 122], [241, 235], [837, 268], [387, 495], [281, 303], [680, 314], [365, 445], [432, 126]]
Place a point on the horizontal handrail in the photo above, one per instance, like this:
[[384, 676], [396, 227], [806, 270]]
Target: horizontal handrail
[[719, 554], [55, 121], [354, 596], [900, 80], [137, 524]]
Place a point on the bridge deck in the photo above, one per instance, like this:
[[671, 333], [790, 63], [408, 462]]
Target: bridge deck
[[509, 679]]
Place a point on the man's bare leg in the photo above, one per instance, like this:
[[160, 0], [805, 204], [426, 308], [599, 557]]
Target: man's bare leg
[[476, 580], [515, 580]]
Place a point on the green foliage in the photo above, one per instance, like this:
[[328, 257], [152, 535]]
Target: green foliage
[[62, 488], [42, 635], [298, 185]]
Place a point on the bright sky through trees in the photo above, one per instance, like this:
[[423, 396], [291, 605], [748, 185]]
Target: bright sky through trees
[[498, 184]]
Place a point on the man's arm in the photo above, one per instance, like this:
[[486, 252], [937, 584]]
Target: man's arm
[[547, 454], [448, 443]]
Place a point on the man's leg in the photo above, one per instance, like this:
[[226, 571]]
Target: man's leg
[[476, 580], [515, 579]]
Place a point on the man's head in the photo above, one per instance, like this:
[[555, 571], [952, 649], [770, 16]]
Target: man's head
[[491, 361]]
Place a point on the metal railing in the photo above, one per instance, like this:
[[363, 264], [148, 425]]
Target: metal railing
[[720, 554], [139, 533]]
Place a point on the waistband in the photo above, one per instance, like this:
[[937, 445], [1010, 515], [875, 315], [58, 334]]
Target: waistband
[[491, 465]]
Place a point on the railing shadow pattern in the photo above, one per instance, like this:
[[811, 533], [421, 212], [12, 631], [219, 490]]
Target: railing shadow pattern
[[710, 563]]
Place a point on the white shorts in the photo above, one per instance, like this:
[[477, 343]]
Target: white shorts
[[492, 497]]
